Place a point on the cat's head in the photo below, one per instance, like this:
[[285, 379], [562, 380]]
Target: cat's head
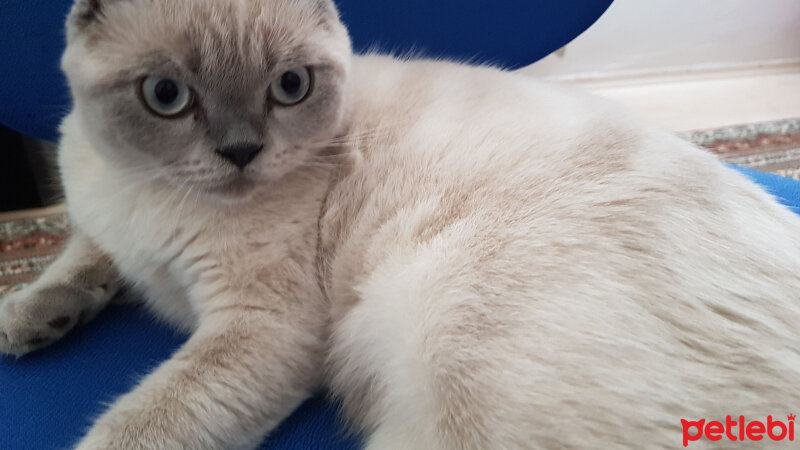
[[222, 95]]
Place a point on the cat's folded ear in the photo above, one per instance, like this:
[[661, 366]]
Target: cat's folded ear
[[326, 8], [85, 12]]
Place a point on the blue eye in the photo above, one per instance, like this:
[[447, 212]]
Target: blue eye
[[166, 97], [292, 87]]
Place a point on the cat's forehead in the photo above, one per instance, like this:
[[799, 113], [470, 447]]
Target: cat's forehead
[[212, 36]]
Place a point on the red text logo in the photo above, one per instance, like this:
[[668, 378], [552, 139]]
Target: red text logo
[[738, 430]]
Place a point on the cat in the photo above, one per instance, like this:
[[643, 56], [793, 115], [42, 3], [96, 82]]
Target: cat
[[465, 257]]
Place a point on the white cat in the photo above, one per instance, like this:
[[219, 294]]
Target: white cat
[[465, 257]]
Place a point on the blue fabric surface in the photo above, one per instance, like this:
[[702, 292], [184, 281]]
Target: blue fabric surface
[[47, 399], [512, 33], [786, 190]]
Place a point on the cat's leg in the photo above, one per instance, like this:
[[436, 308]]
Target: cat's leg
[[71, 291], [241, 373], [425, 361], [392, 357]]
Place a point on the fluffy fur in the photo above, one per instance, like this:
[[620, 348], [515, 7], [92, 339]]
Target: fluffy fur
[[466, 258]]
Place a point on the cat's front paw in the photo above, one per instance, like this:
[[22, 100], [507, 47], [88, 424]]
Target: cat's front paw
[[101, 439], [137, 423], [35, 317]]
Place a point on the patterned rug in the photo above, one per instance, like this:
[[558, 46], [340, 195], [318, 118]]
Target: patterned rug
[[28, 244], [768, 147]]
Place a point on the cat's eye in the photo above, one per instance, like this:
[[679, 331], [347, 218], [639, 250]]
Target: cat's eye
[[166, 97], [292, 87]]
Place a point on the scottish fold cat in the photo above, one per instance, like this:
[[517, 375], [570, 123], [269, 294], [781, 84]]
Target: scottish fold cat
[[466, 258]]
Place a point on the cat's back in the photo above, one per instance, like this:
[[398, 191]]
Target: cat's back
[[439, 144], [504, 160], [526, 149], [430, 124]]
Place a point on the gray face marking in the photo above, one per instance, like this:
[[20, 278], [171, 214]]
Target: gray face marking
[[227, 52]]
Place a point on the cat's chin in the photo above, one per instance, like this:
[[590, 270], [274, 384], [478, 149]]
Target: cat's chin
[[235, 190]]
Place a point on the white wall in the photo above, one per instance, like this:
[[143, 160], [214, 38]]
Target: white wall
[[652, 35]]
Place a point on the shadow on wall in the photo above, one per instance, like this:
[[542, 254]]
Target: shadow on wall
[[665, 35]]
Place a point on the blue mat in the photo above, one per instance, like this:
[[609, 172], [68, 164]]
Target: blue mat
[[786, 190]]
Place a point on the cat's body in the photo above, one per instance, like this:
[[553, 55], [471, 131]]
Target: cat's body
[[555, 276], [477, 261]]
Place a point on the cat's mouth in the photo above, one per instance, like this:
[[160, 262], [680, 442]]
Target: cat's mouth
[[234, 187], [215, 182]]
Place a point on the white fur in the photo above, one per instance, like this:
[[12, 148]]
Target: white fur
[[508, 264], [606, 280]]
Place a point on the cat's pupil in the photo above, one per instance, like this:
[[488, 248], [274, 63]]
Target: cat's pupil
[[166, 91], [291, 82]]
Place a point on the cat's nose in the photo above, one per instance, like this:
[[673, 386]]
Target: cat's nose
[[240, 154]]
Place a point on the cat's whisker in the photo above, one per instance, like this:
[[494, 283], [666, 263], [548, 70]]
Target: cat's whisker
[[177, 194], [319, 165], [138, 172], [135, 180], [331, 157], [362, 135], [324, 145], [179, 215]]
